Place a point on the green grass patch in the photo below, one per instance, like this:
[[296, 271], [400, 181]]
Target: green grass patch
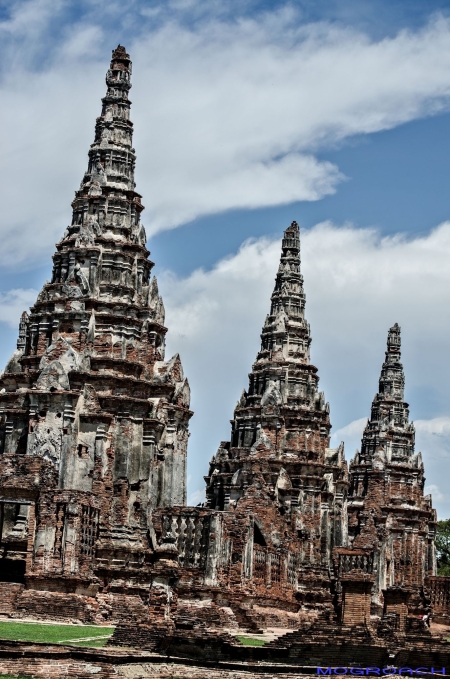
[[251, 641], [97, 643], [53, 634]]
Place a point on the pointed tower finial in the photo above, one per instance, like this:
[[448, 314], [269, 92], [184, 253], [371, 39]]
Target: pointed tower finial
[[392, 378], [286, 332], [394, 340], [388, 433], [291, 237], [120, 52]]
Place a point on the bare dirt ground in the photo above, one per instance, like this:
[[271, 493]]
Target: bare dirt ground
[[441, 630]]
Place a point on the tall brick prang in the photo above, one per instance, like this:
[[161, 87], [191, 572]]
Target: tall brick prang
[[93, 418]]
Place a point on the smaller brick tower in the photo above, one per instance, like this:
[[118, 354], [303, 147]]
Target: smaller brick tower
[[389, 515], [278, 469], [280, 431]]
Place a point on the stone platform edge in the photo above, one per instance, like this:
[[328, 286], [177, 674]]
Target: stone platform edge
[[116, 657]]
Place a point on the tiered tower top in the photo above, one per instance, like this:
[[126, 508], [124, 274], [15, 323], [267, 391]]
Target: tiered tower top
[[285, 335], [389, 434], [282, 374]]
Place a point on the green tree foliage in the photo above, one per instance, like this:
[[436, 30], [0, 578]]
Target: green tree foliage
[[443, 547]]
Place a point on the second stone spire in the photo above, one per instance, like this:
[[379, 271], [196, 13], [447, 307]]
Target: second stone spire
[[279, 449]]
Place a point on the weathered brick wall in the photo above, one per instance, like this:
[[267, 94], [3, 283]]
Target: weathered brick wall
[[400, 609], [438, 590], [9, 592], [356, 599], [54, 606]]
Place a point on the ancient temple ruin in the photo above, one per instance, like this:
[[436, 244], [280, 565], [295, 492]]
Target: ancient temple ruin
[[278, 471], [93, 442], [391, 524], [94, 420], [303, 537]]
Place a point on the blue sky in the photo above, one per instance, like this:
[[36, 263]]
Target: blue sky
[[397, 181], [249, 115]]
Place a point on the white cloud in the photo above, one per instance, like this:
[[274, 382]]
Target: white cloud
[[197, 497], [29, 19], [236, 109], [433, 439], [357, 285], [13, 303], [351, 435], [228, 113]]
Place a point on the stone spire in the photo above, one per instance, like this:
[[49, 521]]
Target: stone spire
[[388, 513], [106, 204], [392, 378], [90, 409], [389, 433], [286, 332], [282, 372], [280, 429]]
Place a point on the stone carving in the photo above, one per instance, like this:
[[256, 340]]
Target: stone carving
[[156, 305], [243, 400], [67, 356], [271, 396], [99, 175], [76, 285], [14, 364], [46, 443], [71, 291], [43, 295], [90, 337], [138, 234], [53, 377], [262, 442], [183, 393], [89, 398], [281, 318], [95, 190], [87, 233], [106, 137]]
